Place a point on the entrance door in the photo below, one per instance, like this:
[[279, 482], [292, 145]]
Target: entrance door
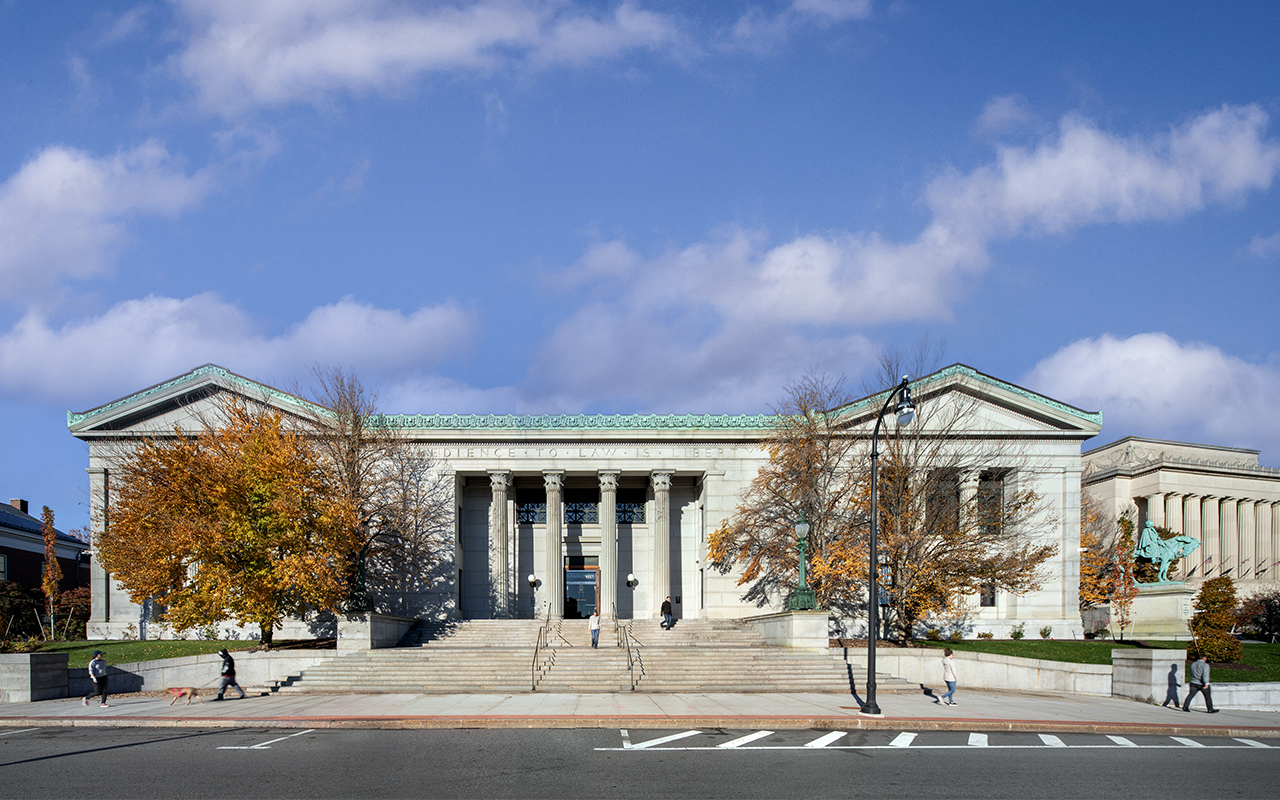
[[581, 592]]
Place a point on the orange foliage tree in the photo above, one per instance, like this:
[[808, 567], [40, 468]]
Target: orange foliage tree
[[241, 521], [51, 575], [1097, 553], [1124, 582]]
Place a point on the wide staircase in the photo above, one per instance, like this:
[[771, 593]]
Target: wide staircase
[[498, 656]]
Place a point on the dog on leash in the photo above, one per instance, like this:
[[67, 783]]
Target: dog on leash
[[180, 692]]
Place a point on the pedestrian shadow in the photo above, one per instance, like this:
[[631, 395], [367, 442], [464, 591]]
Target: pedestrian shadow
[[927, 691], [1172, 695]]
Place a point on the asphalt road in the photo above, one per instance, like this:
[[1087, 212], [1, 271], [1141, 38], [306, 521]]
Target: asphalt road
[[273, 763]]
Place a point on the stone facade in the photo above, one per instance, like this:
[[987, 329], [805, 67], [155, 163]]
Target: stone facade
[[1221, 496], [626, 501]]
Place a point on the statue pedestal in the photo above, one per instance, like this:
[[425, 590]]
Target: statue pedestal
[[1160, 611]]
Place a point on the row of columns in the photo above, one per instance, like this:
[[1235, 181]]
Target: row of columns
[[1238, 536], [553, 570]]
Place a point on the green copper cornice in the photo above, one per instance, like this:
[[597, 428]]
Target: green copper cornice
[[960, 370], [251, 388], [574, 421]]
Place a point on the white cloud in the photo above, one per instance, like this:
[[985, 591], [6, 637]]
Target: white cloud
[[759, 32], [139, 342], [251, 53], [1151, 385], [63, 214], [1004, 114], [1265, 247], [833, 10]]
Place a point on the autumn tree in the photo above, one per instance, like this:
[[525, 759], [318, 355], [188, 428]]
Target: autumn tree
[[1124, 585], [51, 575], [1212, 621], [402, 503], [814, 469], [1098, 535], [242, 521]]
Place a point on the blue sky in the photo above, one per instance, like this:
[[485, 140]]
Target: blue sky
[[558, 206]]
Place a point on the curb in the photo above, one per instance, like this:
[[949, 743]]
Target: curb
[[643, 722]]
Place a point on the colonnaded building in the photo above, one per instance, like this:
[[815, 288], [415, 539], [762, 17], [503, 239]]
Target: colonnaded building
[[614, 511]]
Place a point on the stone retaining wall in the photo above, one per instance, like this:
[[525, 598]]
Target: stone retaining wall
[[202, 672]]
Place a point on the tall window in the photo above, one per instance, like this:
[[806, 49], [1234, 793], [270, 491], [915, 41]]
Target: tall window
[[531, 506], [987, 596], [4, 568], [631, 506], [582, 506]]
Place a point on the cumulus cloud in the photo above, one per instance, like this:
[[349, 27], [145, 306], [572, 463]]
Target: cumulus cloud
[[1265, 247], [139, 342], [64, 213], [243, 54], [1004, 114], [721, 320], [1152, 385], [759, 31]]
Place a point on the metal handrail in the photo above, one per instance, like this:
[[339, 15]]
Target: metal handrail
[[625, 638], [543, 643]]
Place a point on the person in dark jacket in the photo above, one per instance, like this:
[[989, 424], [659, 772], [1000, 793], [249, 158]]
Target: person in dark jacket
[[228, 674], [1199, 682], [666, 613]]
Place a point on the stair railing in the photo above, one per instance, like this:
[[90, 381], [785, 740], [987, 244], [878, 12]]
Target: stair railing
[[543, 644], [625, 638]]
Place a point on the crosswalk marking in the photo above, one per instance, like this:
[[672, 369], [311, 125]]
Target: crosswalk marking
[[1186, 742], [903, 740], [826, 739], [267, 744], [1123, 742], [1252, 743], [1052, 741], [977, 740], [655, 742], [750, 737]]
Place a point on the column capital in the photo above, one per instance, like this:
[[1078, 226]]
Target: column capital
[[553, 478], [609, 479], [661, 479], [499, 478]]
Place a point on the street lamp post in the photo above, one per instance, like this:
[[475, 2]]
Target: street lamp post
[[904, 410], [803, 598]]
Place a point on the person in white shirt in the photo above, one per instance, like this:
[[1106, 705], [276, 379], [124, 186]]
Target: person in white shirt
[[949, 675], [593, 622], [98, 672]]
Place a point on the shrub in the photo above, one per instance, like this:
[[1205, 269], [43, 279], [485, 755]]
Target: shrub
[[956, 636], [1215, 613], [1018, 631], [1046, 631], [18, 608], [1102, 633], [933, 635], [986, 635], [1260, 615]]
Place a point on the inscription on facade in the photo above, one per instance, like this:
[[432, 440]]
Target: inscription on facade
[[574, 452]]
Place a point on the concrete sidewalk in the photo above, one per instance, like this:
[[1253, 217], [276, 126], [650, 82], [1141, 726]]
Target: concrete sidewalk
[[977, 711]]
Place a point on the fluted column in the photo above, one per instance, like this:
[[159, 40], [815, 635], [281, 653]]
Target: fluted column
[[661, 530], [1210, 536], [499, 570], [1191, 527], [608, 544], [1229, 538], [968, 493], [1265, 555], [553, 581], [1173, 512], [99, 579], [1247, 526], [1155, 509]]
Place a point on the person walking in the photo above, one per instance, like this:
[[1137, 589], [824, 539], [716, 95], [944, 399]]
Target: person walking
[[593, 622], [667, 622], [949, 675], [1199, 682], [98, 672], [228, 674]]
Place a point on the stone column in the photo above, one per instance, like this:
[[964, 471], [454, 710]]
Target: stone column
[[99, 579], [661, 530], [1209, 536], [1229, 538], [1173, 512], [608, 544], [1247, 526], [553, 580], [1191, 527], [1155, 510], [499, 572], [968, 493], [1265, 555]]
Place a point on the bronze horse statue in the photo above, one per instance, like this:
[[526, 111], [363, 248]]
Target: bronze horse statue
[[1163, 551]]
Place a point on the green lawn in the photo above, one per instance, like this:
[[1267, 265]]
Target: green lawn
[[132, 650], [1266, 657]]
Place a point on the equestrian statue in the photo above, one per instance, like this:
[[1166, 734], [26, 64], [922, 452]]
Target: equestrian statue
[[1163, 551]]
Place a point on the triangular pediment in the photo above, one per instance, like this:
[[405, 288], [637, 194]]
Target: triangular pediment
[[183, 402], [987, 405]]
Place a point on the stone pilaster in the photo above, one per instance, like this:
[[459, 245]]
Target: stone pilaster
[[1265, 555], [1191, 527], [499, 571], [608, 544], [661, 530], [553, 579], [1173, 512], [1229, 537], [99, 580], [1247, 525], [1155, 509], [1210, 538]]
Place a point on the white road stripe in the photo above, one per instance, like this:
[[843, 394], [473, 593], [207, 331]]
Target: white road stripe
[[673, 737], [1252, 743], [977, 740], [1120, 740], [1186, 742], [748, 739], [28, 730], [626, 739], [826, 739], [903, 740], [267, 745], [1052, 741]]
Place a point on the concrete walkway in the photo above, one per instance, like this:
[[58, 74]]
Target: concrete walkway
[[977, 711]]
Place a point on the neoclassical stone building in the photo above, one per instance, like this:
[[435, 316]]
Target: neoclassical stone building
[[572, 512], [1221, 496]]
